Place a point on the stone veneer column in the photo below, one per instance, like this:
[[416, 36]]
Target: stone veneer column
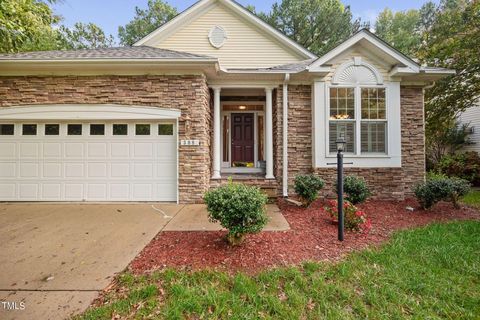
[[216, 134], [269, 134]]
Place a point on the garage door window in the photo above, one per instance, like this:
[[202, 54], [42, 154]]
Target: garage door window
[[74, 129], [142, 129], [97, 129], [120, 129], [165, 129], [52, 129], [7, 129], [29, 129]]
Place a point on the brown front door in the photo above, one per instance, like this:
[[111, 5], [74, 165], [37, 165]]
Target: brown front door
[[242, 139]]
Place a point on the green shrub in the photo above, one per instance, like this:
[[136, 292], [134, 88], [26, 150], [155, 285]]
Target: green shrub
[[439, 188], [354, 219], [462, 165], [355, 189], [307, 187], [239, 208]]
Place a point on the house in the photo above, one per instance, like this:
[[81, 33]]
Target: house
[[471, 117], [215, 92]]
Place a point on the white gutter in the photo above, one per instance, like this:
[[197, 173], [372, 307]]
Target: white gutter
[[285, 135]]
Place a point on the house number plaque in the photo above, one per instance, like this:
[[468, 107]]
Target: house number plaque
[[190, 142]]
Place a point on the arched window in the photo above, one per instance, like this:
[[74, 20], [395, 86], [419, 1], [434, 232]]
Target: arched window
[[357, 109]]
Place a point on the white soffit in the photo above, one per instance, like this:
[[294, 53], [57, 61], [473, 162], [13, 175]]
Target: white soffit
[[86, 112]]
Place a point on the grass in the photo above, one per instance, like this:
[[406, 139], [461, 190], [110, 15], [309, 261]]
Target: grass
[[472, 199], [426, 273]]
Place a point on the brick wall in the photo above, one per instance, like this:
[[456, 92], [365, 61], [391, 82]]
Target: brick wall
[[189, 93]]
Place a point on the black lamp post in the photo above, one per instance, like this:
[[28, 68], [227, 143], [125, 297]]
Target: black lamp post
[[340, 148]]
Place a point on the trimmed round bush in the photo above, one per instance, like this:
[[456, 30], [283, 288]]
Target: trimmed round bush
[[307, 187], [238, 208], [356, 189], [439, 188]]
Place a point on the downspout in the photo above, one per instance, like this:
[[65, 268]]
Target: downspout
[[285, 135]]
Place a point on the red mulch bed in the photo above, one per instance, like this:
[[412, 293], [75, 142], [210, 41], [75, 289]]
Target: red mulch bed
[[312, 237]]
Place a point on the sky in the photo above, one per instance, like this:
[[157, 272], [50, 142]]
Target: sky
[[109, 14]]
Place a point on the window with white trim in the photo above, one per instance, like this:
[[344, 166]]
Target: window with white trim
[[359, 114]]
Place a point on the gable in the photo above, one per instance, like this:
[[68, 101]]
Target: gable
[[246, 46]]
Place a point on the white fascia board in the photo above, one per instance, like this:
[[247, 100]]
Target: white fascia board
[[87, 112], [440, 71], [373, 40]]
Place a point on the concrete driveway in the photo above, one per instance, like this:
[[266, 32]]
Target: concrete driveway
[[55, 258]]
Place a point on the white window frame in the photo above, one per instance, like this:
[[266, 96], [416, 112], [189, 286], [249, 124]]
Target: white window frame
[[357, 96], [321, 115]]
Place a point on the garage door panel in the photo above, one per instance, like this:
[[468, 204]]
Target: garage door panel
[[74, 170], [29, 150], [74, 191], [52, 150], [28, 191], [74, 150], [96, 191], [120, 150], [51, 191], [143, 170], [88, 168], [143, 150], [8, 191], [120, 170], [97, 150], [7, 170], [7, 150], [52, 170], [97, 170], [29, 170]]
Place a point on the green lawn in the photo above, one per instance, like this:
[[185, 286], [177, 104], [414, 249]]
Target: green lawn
[[426, 273], [472, 199]]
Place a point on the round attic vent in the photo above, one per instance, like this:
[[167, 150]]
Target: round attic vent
[[217, 36]]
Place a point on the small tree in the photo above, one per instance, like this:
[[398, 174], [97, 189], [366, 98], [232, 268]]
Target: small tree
[[239, 208], [307, 187]]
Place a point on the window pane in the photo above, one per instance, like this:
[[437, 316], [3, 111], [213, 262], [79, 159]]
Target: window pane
[[7, 129], [74, 129], [52, 129], [97, 129], [342, 103], [373, 103], [339, 129], [29, 129], [165, 129], [120, 129], [374, 137], [142, 129]]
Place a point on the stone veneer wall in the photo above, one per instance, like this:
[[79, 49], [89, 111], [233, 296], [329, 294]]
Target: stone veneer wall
[[189, 93], [386, 183]]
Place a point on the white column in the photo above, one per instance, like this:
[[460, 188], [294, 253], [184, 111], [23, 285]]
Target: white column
[[269, 134], [216, 134]]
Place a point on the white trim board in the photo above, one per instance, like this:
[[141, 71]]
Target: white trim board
[[86, 112]]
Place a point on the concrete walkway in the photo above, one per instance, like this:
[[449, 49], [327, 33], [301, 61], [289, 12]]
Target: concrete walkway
[[56, 258]]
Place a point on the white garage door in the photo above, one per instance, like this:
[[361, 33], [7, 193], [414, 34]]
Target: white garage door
[[88, 161]]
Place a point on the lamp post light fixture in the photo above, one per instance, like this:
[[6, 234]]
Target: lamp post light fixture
[[340, 148]]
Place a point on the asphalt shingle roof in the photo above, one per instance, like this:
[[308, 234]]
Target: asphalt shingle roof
[[140, 52]]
